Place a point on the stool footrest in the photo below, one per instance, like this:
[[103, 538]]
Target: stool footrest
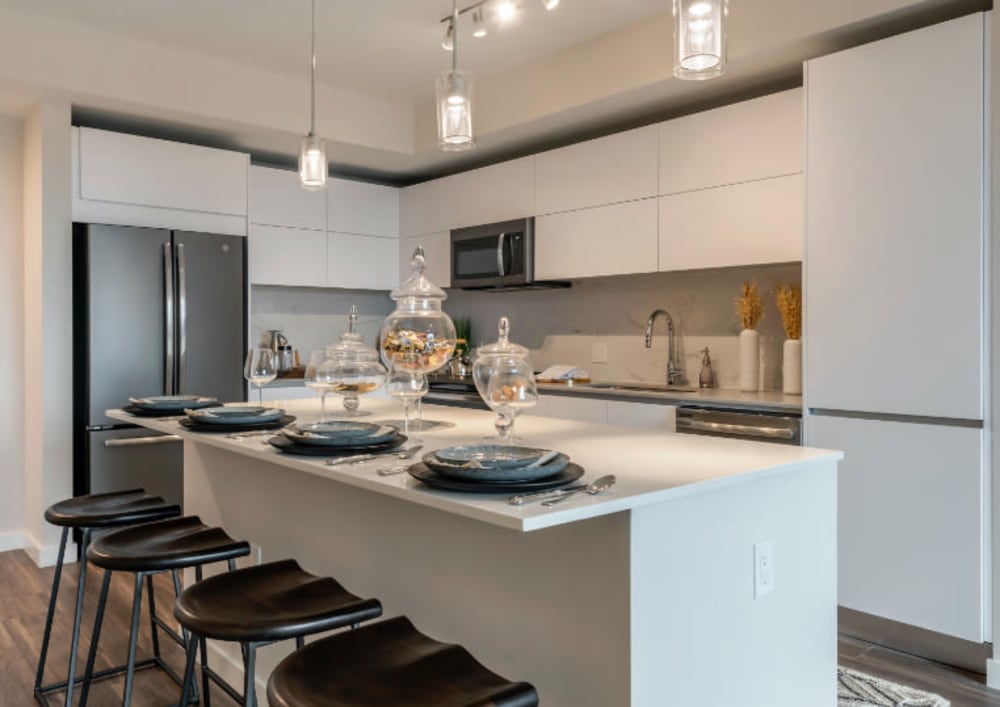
[[224, 686]]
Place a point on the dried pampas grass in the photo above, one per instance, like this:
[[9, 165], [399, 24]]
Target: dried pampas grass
[[749, 306], [789, 301]]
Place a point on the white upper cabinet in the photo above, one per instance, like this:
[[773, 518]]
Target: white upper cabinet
[[619, 239], [362, 262], [741, 224], [359, 207], [894, 287], [278, 199], [612, 169], [287, 256], [425, 208], [744, 141], [437, 256], [127, 169]]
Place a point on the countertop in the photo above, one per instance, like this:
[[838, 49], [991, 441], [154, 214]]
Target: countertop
[[707, 397], [652, 467]]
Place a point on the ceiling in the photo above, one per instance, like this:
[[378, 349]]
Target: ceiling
[[234, 73]]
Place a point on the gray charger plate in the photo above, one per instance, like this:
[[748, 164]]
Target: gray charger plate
[[160, 403], [423, 473], [195, 426], [289, 447], [509, 474]]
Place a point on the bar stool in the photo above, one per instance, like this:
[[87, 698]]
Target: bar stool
[[147, 549], [258, 606], [390, 663], [89, 514]]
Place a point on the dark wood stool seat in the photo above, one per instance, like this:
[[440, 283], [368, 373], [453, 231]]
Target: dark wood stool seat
[[88, 514], [390, 664], [164, 545], [270, 602], [147, 549]]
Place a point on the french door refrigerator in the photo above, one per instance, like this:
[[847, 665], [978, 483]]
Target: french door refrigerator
[[156, 312]]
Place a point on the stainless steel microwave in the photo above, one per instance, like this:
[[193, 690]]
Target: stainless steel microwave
[[497, 255]]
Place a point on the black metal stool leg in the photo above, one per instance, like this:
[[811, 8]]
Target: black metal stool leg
[[133, 640], [300, 641], [189, 681], [51, 614], [95, 637], [250, 676], [75, 647], [188, 637], [205, 687], [152, 616]]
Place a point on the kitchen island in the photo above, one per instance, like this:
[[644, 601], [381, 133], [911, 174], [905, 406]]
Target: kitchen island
[[647, 595]]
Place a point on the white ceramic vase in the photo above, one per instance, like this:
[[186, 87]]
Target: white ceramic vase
[[749, 360], [791, 367]]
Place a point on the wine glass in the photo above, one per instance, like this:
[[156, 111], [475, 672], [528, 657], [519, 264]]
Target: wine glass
[[261, 368], [408, 387], [510, 391], [319, 378]]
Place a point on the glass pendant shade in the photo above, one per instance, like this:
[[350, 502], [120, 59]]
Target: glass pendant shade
[[454, 111], [699, 38], [312, 162]]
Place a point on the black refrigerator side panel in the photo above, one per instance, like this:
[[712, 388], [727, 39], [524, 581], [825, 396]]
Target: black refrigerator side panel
[[81, 363], [211, 306], [157, 468], [126, 320]]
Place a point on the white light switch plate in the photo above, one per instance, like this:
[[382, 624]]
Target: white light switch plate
[[599, 352]]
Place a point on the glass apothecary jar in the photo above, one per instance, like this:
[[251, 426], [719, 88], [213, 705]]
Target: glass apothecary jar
[[505, 379], [352, 368]]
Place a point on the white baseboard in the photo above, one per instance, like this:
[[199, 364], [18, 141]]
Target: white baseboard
[[12, 540], [47, 555], [993, 673], [230, 667]]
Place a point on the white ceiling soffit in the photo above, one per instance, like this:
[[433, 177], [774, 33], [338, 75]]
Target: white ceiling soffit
[[234, 73]]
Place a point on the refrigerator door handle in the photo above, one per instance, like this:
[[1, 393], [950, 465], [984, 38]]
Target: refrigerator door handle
[[181, 319], [168, 320], [141, 441]]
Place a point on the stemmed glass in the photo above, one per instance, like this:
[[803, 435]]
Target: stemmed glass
[[408, 387], [260, 369], [510, 391], [319, 378]]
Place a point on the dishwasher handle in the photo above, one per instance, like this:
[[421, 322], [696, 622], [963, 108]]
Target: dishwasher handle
[[729, 428]]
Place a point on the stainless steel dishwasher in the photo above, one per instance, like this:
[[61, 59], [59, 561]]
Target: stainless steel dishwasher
[[778, 427]]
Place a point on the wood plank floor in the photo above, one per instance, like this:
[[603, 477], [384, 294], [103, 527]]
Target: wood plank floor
[[24, 591]]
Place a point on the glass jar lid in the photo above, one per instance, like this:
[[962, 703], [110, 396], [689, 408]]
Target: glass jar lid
[[503, 345], [417, 285], [351, 347]]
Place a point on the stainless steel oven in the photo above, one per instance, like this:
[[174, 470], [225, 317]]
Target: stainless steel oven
[[493, 255], [778, 427]]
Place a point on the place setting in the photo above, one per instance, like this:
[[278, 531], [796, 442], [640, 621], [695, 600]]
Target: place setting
[[235, 418], [167, 405], [349, 439]]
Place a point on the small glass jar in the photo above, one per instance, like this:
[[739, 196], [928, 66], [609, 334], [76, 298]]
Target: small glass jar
[[352, 368], [505, 379]]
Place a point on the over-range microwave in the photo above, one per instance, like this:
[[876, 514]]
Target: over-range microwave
[[496, 256]]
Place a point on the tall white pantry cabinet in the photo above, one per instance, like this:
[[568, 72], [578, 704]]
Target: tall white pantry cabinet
[[895, 320]]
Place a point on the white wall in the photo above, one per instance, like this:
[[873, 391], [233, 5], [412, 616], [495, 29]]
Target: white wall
[[11, 321]]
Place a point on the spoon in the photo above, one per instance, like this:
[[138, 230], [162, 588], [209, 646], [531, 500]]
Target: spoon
[[593, 488]]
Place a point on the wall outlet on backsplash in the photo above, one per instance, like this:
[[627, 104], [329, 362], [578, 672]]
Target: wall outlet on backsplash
[[599, 352]]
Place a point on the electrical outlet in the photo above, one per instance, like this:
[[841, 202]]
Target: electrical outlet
[[599, 352], [763, 568]]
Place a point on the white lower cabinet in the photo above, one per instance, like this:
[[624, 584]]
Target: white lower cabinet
[[437, 254], [739, 224], [912, 529], [642, 416], [619, 239], [362, 262], [287, 256]]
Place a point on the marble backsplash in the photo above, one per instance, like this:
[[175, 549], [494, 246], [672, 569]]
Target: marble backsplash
[[566, 325]]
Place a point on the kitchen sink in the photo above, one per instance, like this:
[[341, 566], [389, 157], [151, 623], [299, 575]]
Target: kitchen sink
[[640, 387]]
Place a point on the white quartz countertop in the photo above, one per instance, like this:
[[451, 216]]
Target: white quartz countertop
[[651, 467]]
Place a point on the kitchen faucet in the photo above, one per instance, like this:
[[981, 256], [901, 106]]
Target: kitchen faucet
[[675, 375]]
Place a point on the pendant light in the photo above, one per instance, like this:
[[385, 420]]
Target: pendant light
[[700, 38], [312, 151], [454, 100]]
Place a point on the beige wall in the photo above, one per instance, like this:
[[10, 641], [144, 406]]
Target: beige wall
[[12, 322]]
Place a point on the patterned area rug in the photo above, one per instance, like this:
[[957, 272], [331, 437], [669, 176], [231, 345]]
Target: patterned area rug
[[856, 689]]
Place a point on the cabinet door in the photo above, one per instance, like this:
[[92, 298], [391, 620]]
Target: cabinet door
[[737, 143], [608, 240], [437, 251], [643, 416], [287, 256], [278, 199], [911, 524], [894, 233], [500, 192], [362, 262], [608, 170], [425, 207], [128, 169], [740, 224], [358, 207]]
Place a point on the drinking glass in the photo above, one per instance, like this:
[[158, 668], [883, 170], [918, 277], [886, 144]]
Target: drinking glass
[[408, 387], [510, 391], [261, 368], [319, 377]]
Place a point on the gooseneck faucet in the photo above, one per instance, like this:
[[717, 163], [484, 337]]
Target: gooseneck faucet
[[675, 376]]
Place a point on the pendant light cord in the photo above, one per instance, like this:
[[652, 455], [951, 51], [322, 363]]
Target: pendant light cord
[[312, 75], [454, 35]]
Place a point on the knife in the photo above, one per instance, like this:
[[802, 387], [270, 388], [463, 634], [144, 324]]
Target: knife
[[522, 498]]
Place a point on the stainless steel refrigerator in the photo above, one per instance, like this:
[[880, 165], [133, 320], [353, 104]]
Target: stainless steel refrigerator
[[156, 312]]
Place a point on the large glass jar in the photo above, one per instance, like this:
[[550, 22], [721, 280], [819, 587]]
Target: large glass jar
[[505, 379], [352, 368], [418, 337]]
